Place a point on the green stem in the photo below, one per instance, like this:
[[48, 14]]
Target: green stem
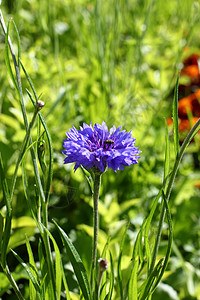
[[48, 248], [20, 92], [169, 189], [22, 151], [97, 183]]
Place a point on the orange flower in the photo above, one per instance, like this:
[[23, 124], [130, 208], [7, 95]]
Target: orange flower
[[184, 125], [191, 102], [191, 71], [169, 121]]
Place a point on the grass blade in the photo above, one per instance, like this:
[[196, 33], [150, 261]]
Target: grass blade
[[119, 271], [167, 152], [145, 291], [7, 229], [65, 283], [58, 261], [150, 262], [46, 284], [77, 264], [28, 270], [109, 295], [33, 268], [169, 247], [132, 288], [50, 171], [7, 60], [175, 119], [18, 43]]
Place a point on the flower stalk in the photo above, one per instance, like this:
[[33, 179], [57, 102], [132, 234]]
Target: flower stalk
[[97, 183]]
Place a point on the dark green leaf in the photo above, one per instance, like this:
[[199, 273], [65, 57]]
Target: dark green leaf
[[77, 264]]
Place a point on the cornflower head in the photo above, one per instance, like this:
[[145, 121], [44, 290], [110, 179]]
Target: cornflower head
[[96, 147]]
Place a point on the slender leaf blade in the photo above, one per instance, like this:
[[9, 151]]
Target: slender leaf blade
[[175, 119], [77, 264], [147, 227], [33, 268], [119, 271], [57, 263], [28, 270], [7, 59], [132, 288], [7, 228], [169, 246], [65, 283], [167, 152], [50, 144], [109, 295]]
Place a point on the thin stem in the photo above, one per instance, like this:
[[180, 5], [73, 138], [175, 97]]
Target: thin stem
[[36, 171], [22, 151], [20, 92], [187, 140], [97, 183], [47, 247]]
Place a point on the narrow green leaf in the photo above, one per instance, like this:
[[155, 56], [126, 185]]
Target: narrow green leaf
[[145, 291], [50, 171], [77, 264], [1, 227], [18, 43], [119, 271], [6, 193], [28, 270], [175, 119], [138, 240], [13, 283], [169, 246], [33, 268], [43, 268], [30, 82], [27, 196], [7, 228], [140, 245], [167, 152], [58, 261], [103, 254], [103, 283], [147, 227], [46, 284], [132, 288], [7, 60], [109, 295], [65, 283]]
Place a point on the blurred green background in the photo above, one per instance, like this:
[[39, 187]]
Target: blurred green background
[[115, 61]]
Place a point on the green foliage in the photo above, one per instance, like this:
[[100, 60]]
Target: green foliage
[[115, 61]]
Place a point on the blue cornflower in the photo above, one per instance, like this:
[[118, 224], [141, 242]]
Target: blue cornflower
[[99, 148]]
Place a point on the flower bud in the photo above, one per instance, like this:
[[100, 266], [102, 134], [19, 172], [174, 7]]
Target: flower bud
[[103, 264], [39, 104]]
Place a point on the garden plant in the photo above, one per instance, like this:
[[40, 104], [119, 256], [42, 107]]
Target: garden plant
[[99, 150]]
